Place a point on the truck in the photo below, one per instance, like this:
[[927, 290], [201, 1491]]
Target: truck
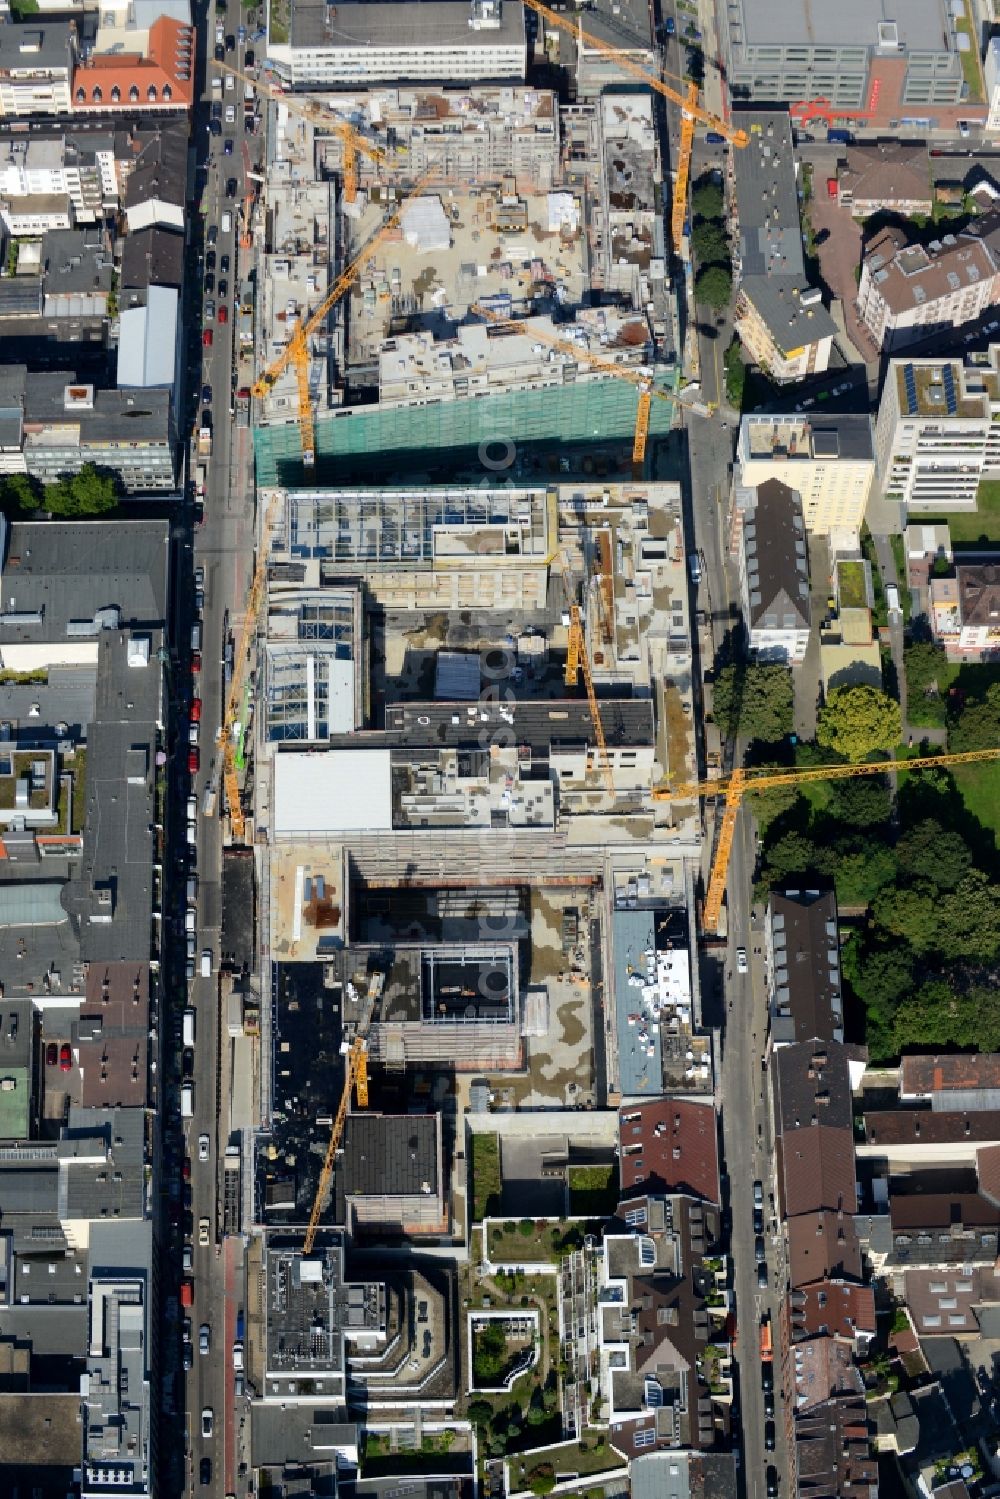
[[187, 1100], [200, 479], [216, 87], [766, 1342], [227, 222], [204, 442], [838, 137], [187, 1291], [189, 1026]]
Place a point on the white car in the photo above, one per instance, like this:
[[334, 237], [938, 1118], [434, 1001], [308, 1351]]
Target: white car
[[742, 966], [207, 1421], [203, 1232], [203, 1144]]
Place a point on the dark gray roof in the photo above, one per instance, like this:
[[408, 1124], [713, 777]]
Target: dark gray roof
[[49, 1329], [32, 45], [120, 416], [67, 697], [811, 1079], [391, 1155], [806, 991], [238, 907], [120, 810], [21, 296], [159, 167], [355, 24], [152, 257], [281, 1433], [777, 564], [777, 301], [76, 261], [766, 197], [69, 570]]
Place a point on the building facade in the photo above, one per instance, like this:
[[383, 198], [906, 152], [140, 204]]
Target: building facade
[[830, 462], [937, 433]]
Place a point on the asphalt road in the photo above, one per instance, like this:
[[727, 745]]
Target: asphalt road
[[222, 546]]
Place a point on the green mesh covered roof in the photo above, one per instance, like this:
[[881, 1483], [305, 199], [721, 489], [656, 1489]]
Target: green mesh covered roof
[[588, 411]]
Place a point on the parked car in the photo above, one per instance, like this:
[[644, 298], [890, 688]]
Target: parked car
[[207, 338], [205, 1472], [210, 261], [230, 187], [768, 1436], [224, 265], [206, 392], [51, 1054], [223, 313], [203, 1147], [194, 760], [204, 1338], [196, 710], [204, 1233], [196, 662], [207, 1421], [65, 1057], [227, 149]]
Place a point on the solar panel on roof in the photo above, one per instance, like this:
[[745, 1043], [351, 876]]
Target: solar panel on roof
[[910, 381], [949, 391]]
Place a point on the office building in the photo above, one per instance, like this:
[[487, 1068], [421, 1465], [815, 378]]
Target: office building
[[439, 41]]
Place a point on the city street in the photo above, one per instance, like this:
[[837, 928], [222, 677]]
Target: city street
[[223, 547]]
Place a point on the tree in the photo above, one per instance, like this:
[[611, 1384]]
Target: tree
[[860, 869], [709, 242], [792, 854], [978, 724], [18, 495], [707, 201], [910, 912], [480, 1412], [927, 673], [736, 374], [861, 803], [968, 919], [755, 700], [768, 806], [86, 493], [542, 1480], [714, 286], [937, 855], [857, 722]]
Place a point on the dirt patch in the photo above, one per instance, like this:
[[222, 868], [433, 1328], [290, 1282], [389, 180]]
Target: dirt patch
[[679, 731], [573, 1031]]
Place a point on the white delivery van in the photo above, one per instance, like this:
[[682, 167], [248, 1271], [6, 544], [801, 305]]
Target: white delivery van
[[206, 962], [227, 222], [187, 1100], [188, 1032]]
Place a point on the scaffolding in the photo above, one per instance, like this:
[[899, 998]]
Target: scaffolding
[[585, 411]]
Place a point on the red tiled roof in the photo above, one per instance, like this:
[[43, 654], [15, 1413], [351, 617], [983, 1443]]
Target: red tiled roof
[[833, 1306], [163, 79], [922, 1075], [670, 1145]]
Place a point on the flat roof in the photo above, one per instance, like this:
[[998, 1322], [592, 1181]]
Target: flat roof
[[332, 791], [148, 342], [442, 25], [633, 934], [387, 1155], [922, 24], [765, 183]]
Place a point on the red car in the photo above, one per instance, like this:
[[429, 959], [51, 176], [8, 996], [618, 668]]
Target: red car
[[51, 1054], [186, 1168], [196, 710], [65, 1057], [206, 338], [223, 314], [196, 661], [194, 759]]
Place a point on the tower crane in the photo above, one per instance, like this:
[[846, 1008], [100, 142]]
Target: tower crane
[[736, 786], [323, 116], [648, 392], [691, 110], [356, 1081], [296, 351], [577, 655]]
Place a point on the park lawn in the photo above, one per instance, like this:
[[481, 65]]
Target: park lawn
[[979, 788], [484, 1173], [972, 526], [970, 59]]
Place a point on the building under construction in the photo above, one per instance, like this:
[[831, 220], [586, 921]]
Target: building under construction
[[455, 1004]]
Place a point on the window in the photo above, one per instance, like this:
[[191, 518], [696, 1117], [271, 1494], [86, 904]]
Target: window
[[116, 94], [151, 93], [133, 93], [98, 94], [645, 1438]]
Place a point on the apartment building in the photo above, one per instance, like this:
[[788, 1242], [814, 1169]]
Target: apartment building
[[476, 134], [909, 291], [829, 462], [965, 610], [869, 57], [888, 176], [780, 318], [159, 77], [79, 168], [36, 68], [354, 44], [937, 432], [774, 574]]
